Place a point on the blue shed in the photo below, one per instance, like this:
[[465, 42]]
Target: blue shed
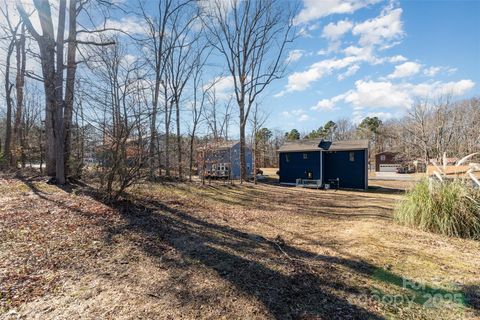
[[340, 162]]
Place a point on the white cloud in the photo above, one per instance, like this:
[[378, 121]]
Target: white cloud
[[303, 118], [295, 55], [334, 31], [127, 24], [305, 31], [350, 72], [324, 104], [377, 95], [212, 6], [433, 71], [322, 52], [455, 88], [397, 58], [363, 54], [130, 59], [300, 81], [359, 115], [406, 69], [381, 115], [223, 87], [298, 114], [382, 29], [315, 9], [385, 94]]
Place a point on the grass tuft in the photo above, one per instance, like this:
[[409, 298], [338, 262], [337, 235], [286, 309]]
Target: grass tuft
[[451, 208]]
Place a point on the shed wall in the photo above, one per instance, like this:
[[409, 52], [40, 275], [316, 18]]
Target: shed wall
[[296, 167], [351, 174]]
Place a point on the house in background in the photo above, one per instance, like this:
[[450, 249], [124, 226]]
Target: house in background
[[222, 160], [387, 161], [340, 163]]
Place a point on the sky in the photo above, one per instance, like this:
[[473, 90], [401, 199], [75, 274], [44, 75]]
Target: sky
[[358, 58], [375, 58]]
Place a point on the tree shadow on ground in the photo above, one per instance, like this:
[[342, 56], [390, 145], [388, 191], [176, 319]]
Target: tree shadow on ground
[[333, 205], [290, 283], [371, 189], [293, 289]]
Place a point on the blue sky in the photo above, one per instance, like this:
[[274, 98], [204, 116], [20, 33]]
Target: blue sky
[[358, 58], [365, 58]]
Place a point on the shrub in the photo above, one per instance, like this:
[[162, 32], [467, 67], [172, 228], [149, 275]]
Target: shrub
[[448, 207]]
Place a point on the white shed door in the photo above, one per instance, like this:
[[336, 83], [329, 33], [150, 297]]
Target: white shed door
[[389, 167]]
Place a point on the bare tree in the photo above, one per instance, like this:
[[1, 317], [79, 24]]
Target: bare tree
[[185, 51], [200, 92], [19, 86], [31, 134], [257, 121], [46, 44], [345, 130], [73, 11], [218, 114], [252, 36], [417, 125], [121, 120], [11, 31], [58, 109], [158, 48], [160, 42]]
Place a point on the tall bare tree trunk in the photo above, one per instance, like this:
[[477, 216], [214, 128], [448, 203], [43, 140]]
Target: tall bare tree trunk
[[167, 135], [190, 165], [254, 157], [19, 85], [59, 103], [8, 98], [46, 44], [179, 138], [243, 165], [70, 81], [153, 131]]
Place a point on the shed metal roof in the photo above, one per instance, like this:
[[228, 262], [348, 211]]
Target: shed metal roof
[[320, 144]]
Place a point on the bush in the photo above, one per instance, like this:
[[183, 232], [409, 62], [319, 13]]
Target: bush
[[451, 208]]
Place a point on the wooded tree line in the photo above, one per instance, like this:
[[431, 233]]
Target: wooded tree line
[[138, 101], [79, 88], [430, 128]]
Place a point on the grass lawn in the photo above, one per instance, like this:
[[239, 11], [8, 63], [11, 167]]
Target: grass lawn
[[225, 251]]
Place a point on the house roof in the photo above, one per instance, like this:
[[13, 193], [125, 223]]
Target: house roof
[[320, 144], [220, 145]]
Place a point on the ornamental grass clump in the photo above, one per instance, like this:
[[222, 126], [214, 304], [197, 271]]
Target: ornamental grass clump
[[446, 206]]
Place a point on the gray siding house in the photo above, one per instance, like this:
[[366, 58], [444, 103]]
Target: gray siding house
[[222, 160]]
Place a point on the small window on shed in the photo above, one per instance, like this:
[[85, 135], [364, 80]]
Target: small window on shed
[[382, 157], [287, 159], [305, 156], [351, 156]]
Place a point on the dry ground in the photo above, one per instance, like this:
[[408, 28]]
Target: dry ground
[[225, 251]]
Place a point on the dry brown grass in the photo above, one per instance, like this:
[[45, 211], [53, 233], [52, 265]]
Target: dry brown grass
[[223, 251]]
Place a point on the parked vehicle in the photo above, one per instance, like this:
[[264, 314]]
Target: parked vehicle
[[406, 168]]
